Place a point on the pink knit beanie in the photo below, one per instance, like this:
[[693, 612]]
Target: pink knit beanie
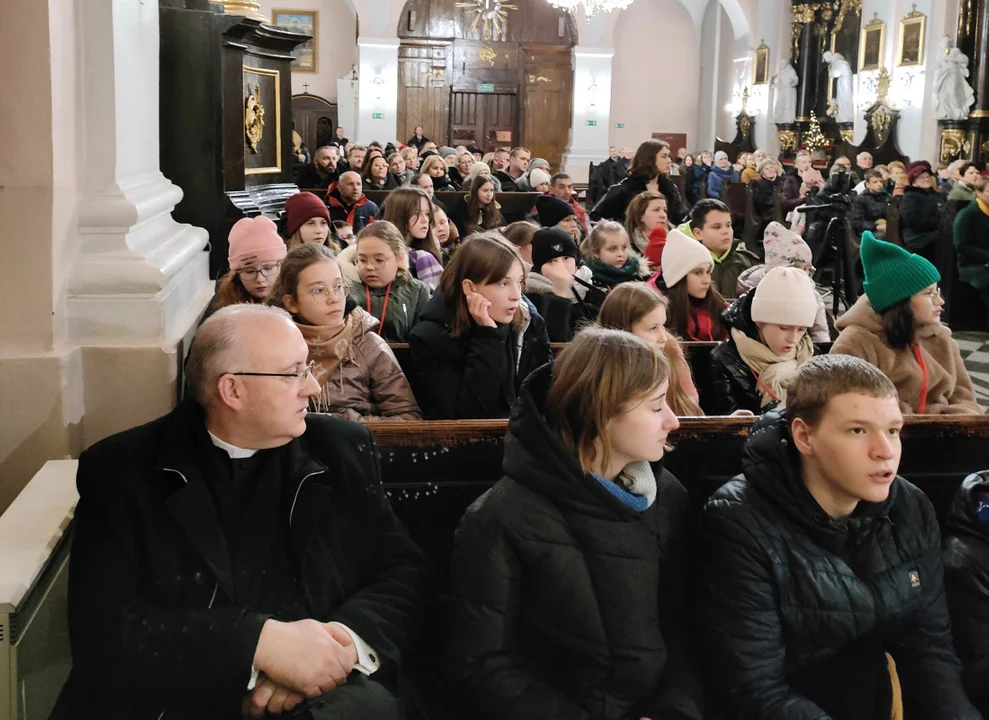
[[253, 243]]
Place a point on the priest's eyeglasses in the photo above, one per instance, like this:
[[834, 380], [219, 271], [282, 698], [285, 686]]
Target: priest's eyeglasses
[[300, 376]]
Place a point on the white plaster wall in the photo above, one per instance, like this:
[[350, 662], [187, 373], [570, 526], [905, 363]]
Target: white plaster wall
[[655, 75], [337, 43], [730, 68]]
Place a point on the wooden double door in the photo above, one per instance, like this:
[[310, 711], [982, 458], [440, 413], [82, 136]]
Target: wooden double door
[[486, 120]]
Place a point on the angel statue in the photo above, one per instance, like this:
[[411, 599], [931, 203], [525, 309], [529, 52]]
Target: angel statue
[[843, 103], [952, 93]]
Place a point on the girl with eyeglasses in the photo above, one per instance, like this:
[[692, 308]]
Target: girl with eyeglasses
[[359, 377], [897, 327], [255, 254]]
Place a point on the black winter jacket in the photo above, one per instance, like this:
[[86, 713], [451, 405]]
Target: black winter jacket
[[966, 580], [791, 599], [919, 217], [157, 618], [732, 379], [568, 605], [615, 202], [475, 376], [867, 209], [508, 183]]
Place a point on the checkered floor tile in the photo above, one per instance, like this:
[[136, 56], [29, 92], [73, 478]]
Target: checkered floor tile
[[975, 352]]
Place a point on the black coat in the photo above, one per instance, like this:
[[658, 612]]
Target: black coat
[[508, 183], [734, 385], [568, 605], [151, 619], [615, 202], [764, 194], [966, 580], [309, 178], [867, 209], [919, 217], [797, 607], [474, 376]]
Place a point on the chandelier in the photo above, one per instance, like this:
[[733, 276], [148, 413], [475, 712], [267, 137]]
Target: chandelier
[[590, 7]]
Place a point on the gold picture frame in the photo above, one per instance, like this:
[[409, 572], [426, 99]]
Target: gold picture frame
[[872, 47], [265, 86], [910, 50], [305, 56], [760, 66]]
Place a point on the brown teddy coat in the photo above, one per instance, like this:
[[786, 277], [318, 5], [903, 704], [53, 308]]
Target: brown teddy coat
[[949, 388]]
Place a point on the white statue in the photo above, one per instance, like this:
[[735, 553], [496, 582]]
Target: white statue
[[843, 102], [952, 93], [785, 110]]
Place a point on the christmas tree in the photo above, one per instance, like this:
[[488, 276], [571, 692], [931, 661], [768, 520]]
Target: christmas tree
[[814, 139]]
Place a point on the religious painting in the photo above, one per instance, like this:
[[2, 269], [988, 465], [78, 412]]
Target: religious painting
[[760, 68], [305, 56], [262, 121], [912, 29], [873, 45]]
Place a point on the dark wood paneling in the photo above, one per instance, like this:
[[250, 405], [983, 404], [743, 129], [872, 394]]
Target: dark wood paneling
[[424, 98], [535, 21], [547, 106], [315, 119]]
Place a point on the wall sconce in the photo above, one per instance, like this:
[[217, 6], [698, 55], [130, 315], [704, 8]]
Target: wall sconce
[[908, 87], [592, 93], [378, 85]]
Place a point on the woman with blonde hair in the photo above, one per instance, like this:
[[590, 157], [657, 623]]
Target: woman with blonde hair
[[359, 377], [585, 511], [410, 210], [479, 168], [478, 338], [640, 309], [436, 167]]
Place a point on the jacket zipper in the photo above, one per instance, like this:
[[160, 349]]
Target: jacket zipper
[[297, 490], [216, 586]]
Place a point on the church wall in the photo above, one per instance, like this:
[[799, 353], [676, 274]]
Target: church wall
[[731, 65], [337, 48], [655, 77]]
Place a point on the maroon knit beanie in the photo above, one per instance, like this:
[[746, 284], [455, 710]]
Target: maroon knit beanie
[[301, 208]]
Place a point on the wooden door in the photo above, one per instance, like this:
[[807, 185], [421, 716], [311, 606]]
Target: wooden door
[[424, 94], [487, 120], [547, 81], [676, 141], [314, 118]]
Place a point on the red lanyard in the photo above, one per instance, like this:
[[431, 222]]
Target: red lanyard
[[384, 305], [760, 383], [919, 355]]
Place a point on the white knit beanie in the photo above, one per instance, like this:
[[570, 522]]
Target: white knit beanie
[[681, 255], [785, 296], [538, 177]]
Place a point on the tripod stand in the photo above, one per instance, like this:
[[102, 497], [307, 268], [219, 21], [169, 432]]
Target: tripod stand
[[836, 240]]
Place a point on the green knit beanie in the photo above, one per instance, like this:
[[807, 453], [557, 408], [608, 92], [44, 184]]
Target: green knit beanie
[[892, 274]]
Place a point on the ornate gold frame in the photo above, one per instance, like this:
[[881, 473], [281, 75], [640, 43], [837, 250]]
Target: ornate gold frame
[[874, 25], [761, 57], [277, 168], [315, 34], [914, 18]]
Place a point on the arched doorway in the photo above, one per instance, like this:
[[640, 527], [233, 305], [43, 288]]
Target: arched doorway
[[490, 80], [314, 118]]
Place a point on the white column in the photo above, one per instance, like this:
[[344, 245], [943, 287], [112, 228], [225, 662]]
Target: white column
[[347, 105], [591, 122], [139, 276], [377, 104], [710, 77]]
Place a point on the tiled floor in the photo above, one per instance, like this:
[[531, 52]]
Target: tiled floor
[[975, 352]]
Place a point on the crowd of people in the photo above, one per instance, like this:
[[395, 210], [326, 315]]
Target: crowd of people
[[239, 556]]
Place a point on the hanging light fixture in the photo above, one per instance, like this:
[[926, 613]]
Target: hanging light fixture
[[590, 7]]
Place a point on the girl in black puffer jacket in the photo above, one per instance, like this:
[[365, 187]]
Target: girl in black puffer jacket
[[768, 342], [567, 576], [966, 580]]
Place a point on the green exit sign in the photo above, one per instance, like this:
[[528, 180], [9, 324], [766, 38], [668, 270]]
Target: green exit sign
[[377, 116], [621, 126], [485, 87], [592, 123]]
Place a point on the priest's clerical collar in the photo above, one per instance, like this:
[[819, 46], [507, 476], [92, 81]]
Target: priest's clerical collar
[[233, 451]]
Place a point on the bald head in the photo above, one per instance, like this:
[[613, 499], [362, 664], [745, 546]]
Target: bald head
[[223, 343], [350, 187]]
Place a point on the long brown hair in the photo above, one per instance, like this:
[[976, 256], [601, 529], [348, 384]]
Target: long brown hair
[[595, 378], [483, 259], [626, 305], [637, 208], [232, 291], [644, 160], [680, 306], [402, 206], [490, 215]]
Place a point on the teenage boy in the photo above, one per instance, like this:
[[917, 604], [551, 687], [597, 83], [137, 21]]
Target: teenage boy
[[821, 580], [710, 223], [869, 208]]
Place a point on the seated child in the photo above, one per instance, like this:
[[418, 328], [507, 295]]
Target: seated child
[[710, 223], [695, 304]]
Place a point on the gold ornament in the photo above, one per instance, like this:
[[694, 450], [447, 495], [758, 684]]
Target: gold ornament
[[788, 140], [491, 15], [881, 120], [488, 55], [254, 118], [954, 144]]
